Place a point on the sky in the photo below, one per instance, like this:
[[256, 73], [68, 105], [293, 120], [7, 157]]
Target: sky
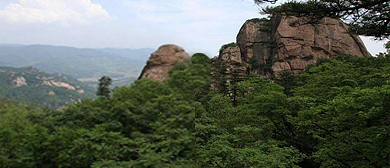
[[196, 25]]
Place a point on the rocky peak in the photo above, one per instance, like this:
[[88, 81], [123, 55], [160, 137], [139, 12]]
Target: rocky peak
[[254, 39], [303, 45], [268, 47], [231, 54], [228, 65], [162, 61]]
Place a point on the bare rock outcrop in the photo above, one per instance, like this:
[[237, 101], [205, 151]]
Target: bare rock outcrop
[[228, 64], [303, 45], [162, 61], [268, 47], [19, 82]]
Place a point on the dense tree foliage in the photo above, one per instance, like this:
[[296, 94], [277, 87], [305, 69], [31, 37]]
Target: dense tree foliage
[[103, 89], [148, 124], [365, 17], [336, 114], [31, 85]]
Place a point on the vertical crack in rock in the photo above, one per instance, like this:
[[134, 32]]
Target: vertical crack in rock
[[277, 44]]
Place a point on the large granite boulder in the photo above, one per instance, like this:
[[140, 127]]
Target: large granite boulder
[[303, 45], [162, 61], [268, 47]]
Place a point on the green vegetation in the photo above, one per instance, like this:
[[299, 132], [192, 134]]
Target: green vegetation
[[261, 66], [259, 19], [30, 85], [336, 114], [233, 44], [149, 124], [104, 87], [373, 22], [265, 29], [255, 19], [200, 58], [255, 63], [79, 63], [264, 19]]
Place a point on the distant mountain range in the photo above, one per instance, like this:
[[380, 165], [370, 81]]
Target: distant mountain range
[[31, 85], [87, 65]]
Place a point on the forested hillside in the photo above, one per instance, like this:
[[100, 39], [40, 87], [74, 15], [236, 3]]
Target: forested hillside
[[297, 89], [123, 65], [335, 114], [31, 85]]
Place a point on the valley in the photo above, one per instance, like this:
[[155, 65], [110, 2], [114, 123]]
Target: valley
[[295, 86], [31, 85], [123, 65]]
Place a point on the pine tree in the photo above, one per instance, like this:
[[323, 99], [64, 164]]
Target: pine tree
[[104, 87], [236, 76], [365, 17]]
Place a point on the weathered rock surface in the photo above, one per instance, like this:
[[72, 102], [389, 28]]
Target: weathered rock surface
[[162, 61], [303, 45], [268, 47], [229, 63]]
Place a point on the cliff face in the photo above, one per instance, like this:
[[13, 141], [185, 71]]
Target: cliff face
[[162, 61], [267, 47]]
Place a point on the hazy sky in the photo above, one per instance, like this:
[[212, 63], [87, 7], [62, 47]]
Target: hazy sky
[[196, 25]]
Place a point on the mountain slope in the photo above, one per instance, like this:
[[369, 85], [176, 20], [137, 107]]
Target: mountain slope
[[136, 55], [79, 63], [35, 86]]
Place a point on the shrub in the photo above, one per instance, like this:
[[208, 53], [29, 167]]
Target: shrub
[[232, 44], [200, 58], [259, 19], [265, 29]]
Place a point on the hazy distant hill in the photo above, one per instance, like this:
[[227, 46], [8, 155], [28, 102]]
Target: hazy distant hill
[[85, 64], [137, 55], [33, 85]]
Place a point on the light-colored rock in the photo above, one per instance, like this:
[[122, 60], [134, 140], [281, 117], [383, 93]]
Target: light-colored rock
[[19, 82], [232, 60], [81, 91], [290, 47], [280, 66], [59, 84], [51, 93], [323, 40], [162, 61], [253, 39], [64, 85], [231, 55]]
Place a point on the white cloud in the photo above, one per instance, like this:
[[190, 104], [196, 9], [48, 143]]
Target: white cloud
[[50, 11]]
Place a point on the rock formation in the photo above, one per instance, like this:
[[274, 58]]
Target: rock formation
[[228, 64], [267, 47], [162, 61], [19, 82]]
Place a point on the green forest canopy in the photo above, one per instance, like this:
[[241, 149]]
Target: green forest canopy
[[333, 115]]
